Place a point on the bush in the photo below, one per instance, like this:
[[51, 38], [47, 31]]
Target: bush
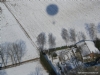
[[54, 55], [97, 43], [47, 64]]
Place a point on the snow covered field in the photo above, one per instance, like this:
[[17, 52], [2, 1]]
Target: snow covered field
[[34, 18], [11, 31], [26, 69]]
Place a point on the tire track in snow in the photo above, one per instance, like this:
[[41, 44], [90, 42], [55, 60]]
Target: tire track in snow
[[21, 63]]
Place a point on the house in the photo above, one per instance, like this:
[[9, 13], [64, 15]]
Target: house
[[88, 50]]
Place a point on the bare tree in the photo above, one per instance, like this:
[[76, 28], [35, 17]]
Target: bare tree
[[93, 32], [6, 51], [15, 48], [41, 40], [72, 35], [65, 35], [0, 10], [51, 40], [19, 49], [91, 29], [98, 27], [37, 71], [3, 72], [12, 51], [2, 53], [87, 26], [81, 36]]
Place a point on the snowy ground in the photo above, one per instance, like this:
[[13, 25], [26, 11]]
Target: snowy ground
[[33, 17], [26, 69], [71, 14], [11, 31]]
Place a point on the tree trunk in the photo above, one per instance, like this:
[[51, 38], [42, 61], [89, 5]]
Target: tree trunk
[[3, 60], [12, 60]]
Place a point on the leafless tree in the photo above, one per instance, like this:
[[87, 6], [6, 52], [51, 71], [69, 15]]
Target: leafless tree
[[72, 35], [65, 35], [81, 36], [51, 40], [41, 40], [19, 49], [2, 53], [15, 51], [12, 51], [98, 27], [93, 32], [37, 71], [3, 72], [0, 10]]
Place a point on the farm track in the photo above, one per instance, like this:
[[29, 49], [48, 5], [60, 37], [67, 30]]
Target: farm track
[[21, 63]]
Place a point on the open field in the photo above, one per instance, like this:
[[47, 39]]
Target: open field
[[26, 69], [11, 31], [34, 18], [26, 19]]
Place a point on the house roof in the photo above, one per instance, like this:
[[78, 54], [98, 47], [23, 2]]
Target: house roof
[[87, 47]]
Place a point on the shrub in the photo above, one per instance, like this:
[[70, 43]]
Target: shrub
[[97, 43]]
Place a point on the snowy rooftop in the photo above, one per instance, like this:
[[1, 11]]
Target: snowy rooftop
[[87, 47]]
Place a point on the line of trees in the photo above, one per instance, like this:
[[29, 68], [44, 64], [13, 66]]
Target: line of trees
[[98, 27], [13, 51], [41, 40], [91, 30], [71, 35], [66, 36]]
